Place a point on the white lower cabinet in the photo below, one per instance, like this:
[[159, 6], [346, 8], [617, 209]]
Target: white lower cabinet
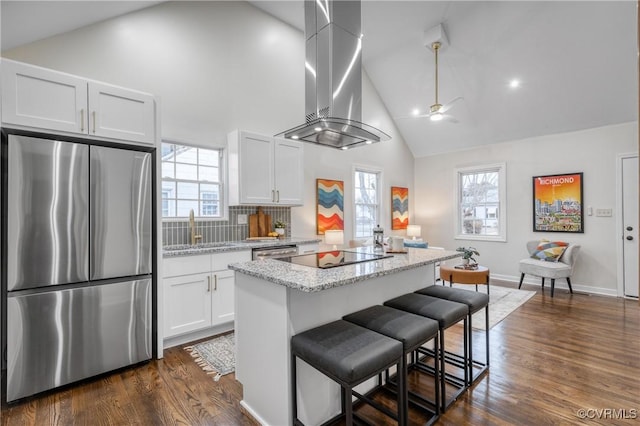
[[187, 305], [199, 291]]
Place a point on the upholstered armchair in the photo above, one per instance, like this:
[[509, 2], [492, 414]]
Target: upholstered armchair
[[562, 268]]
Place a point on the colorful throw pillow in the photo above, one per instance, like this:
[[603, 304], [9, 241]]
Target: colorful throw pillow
[[550, 251]]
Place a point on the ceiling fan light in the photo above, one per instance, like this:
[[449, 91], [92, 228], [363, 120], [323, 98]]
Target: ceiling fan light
[[436, 117]]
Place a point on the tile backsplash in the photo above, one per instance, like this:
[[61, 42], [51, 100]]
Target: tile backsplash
[[216, 231]]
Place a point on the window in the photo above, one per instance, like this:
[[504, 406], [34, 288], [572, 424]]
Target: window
[[367, 201], [191, 179], [480, 205]]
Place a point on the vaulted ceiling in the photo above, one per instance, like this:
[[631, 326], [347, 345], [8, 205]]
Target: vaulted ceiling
[[576, 61]]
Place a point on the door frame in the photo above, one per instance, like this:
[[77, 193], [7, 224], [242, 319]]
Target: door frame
[[619, 222]]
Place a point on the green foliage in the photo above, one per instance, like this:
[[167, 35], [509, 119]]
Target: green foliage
[[279, 224], [468, 253]]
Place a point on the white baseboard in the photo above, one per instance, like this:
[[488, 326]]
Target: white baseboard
[[197, 335], [252, 413], [560, 284]]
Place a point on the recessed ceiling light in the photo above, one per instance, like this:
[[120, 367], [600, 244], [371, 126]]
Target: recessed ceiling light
[[317, 129], [295, 137], [514, 84], [345, 147], [368, 142], [415, 111]]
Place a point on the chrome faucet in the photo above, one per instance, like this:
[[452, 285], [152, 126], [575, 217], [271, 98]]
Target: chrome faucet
[[192, 225]]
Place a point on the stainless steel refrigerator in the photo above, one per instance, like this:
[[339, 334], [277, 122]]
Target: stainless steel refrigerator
[[77, 247]]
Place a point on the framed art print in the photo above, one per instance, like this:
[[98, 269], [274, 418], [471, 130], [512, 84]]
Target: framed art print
[[558, 203], [330, 205], [399, 207]]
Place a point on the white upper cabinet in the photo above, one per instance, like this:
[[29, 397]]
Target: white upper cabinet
[[37, 97], [264, 170], [121, 113], [289, 171], [45, 99], [252, 180]]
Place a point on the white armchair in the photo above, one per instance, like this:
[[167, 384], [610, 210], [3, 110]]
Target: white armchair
[[563, 268]]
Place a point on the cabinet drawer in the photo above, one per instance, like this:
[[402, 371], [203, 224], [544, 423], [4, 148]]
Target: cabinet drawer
[[219, 261], [185, 265]]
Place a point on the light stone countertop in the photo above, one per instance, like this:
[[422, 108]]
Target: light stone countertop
[[310, 279], [229, 246]]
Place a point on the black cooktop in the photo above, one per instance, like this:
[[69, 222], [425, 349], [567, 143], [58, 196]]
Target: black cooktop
[[331, 259]]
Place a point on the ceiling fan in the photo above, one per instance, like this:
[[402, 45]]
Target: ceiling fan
[[437, 111]]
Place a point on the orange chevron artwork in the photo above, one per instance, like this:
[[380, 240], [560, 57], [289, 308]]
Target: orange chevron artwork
[[399, 207]]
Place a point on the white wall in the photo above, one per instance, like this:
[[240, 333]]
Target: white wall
[[392, 157], [218, 66], [592, 151]]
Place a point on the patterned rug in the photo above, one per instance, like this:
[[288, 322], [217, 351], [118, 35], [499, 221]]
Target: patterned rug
[[216, 356], [502, 301]]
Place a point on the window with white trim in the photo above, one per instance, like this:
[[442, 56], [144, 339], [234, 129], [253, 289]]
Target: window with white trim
[[366, 190], [480, 203], [191, 179]]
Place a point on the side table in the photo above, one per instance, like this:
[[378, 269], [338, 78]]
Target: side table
[[465, 276]]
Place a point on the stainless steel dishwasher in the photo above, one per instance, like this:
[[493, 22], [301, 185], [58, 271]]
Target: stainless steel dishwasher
[[274, 252]]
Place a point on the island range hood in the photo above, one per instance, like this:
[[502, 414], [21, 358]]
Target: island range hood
[[333, 78]]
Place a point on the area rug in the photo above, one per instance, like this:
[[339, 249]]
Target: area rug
[[502, 302], [215, 356]]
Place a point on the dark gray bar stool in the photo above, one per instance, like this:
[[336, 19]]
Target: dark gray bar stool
[[349, 355], [413, 331], [447, 313], [475, 301]]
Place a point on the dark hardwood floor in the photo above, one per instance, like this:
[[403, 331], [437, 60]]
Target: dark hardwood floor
[[551, 360]]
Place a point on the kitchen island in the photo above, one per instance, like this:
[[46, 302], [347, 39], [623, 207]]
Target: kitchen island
[[276, 300]]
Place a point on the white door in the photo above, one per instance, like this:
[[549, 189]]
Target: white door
[[630, 225]]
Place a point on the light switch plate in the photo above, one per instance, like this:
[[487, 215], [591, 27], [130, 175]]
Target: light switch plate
[[604, 212], [242, 219]]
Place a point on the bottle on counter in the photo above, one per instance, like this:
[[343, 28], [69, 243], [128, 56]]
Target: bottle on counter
[[378, 239]]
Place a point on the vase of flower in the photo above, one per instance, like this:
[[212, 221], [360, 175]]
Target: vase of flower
[[279, 227]]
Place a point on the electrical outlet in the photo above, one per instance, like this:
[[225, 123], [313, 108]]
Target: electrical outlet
[[604, 212], [242, 219]]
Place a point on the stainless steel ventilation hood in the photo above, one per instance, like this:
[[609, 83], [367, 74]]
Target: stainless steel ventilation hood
[[333, 78]]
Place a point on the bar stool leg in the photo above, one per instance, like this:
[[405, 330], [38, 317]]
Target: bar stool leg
[[436, 374], [346, 393], [443, 390], [294, 390]]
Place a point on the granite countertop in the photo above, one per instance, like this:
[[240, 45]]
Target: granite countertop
[[209, 248], [309, 279]]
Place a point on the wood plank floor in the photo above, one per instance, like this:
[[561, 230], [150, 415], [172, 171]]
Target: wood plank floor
[[550, 359]]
